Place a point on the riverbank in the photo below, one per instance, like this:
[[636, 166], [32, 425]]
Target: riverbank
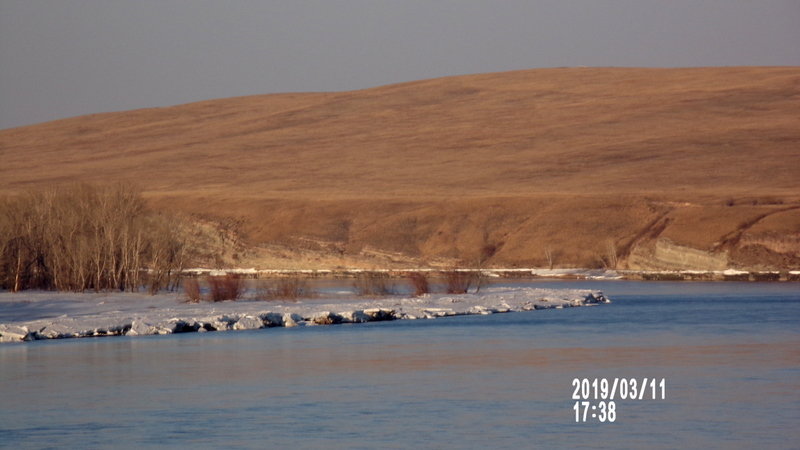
[[532, 273], [29, 316]]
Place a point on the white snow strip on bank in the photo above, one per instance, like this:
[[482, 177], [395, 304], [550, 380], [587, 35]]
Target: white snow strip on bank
[[31, 316], [595, 274]]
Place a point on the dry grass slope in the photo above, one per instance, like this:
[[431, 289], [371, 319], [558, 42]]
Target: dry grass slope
[[585, 162]]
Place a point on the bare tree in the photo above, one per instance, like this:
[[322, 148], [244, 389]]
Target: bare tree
[[549, 254], [87, 237]]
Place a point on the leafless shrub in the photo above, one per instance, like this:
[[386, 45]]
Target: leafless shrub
[[86, 237], [459, 281], [225, 287], [420, 283], [373, 284], [191, 290], [292, 289], [487, 251]]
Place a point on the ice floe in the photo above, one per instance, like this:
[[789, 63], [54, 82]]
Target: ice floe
[[47, 315]]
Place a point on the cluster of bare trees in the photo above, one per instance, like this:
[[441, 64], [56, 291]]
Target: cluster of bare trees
[[87, 237]]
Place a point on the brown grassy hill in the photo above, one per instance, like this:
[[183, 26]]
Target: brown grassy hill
[[637, 167]]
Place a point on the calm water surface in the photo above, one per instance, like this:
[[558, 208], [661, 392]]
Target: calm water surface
[[729, 353]]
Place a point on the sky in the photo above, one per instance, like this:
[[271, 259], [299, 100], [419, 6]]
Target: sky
[[62, 58]]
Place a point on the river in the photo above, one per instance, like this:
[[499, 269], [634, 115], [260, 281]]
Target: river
[[728, 354]]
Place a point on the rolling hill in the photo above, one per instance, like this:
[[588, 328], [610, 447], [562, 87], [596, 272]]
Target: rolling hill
[[640, 168]]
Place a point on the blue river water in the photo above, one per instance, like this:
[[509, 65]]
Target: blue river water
[[729, 355]]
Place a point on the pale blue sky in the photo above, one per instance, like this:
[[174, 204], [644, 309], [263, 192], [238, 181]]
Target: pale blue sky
[[60, 58]]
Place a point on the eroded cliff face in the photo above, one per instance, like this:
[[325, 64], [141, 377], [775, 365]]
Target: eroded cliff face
[[768, 251], [559, 232], [756, 237], [588, 233], [666, 255]]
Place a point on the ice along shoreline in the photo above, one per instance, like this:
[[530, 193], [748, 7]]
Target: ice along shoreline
[[526, 273], [31, 316]]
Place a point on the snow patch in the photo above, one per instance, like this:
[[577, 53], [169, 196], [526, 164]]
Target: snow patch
[[732, 272]]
